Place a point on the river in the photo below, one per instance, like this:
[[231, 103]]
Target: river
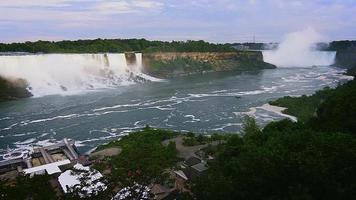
[[207, 103]]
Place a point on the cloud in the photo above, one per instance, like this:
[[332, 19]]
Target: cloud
[[216, 21], [70, 13], [125, 6], [147, 4], [37, 3]]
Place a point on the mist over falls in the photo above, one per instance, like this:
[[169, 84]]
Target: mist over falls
[[297, 50], [48, 74]]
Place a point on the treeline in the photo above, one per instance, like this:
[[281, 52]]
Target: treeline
[[114, 46], [254, 46], [285, 160], [311, 159], [341, 45]]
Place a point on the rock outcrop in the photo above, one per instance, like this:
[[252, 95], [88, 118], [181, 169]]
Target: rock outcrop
[[130, 58], [171, 64], [13, 89]]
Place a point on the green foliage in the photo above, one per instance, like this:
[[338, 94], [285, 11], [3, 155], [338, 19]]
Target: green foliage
[[199, 139], [290, 163], [332, 110], [341, 45], [114, 45], [143, 157], [193, 141], [36, 188], [184, 64], [338, 112], [251, 132], [303, 107], [310, 159]]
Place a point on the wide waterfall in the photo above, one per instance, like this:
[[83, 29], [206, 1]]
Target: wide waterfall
[[282, 58], [48, 74]]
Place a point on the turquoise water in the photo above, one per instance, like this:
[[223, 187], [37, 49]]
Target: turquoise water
[[202, 103]]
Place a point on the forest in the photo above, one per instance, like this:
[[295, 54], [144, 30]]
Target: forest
[[314, 158], [114, 46]]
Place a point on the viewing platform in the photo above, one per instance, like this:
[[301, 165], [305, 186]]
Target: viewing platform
[[48, 159]]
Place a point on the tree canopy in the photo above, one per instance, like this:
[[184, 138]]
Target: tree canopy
[[114, 46]]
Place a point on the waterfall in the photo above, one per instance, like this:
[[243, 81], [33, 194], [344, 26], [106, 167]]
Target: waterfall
[[299, 59], [49, 74], [298, 50]]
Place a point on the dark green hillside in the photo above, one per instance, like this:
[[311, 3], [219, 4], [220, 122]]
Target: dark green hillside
[[303, 107], [338, 112], [282, 161], [331, 110]]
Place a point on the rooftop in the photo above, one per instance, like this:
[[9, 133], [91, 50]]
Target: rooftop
[[192, 161], [200, 167], [71, 179], [51, 168]]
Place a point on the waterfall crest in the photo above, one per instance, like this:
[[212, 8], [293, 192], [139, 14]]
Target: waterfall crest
[[49, 74]]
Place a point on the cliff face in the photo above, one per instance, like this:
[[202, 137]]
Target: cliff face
[[13, 89], [346, 58], [165, 65]]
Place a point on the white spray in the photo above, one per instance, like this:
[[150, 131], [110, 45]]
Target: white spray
[[65, 74], [296, 50]]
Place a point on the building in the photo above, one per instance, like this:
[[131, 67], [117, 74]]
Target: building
[[85, 180], [50, 159], [191, 168], [160, 191]]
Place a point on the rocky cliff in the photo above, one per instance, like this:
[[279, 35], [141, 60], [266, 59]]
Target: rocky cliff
[[346, 58], [171, 64], [345, 53], [13, 89]]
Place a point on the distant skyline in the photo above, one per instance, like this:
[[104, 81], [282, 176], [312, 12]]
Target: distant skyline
[[211, 20]]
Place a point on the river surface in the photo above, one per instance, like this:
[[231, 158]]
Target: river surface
[[206, 103]]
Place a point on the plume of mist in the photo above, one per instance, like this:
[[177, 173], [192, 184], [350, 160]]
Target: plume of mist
[[298, 50]]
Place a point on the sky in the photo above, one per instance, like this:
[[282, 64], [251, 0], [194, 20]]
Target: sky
[[217, 21]]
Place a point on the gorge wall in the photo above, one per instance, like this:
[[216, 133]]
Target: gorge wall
[[346, 58], [345, 53], [171, 64]]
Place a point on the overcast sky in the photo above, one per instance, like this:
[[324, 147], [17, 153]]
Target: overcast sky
[[211, 20]]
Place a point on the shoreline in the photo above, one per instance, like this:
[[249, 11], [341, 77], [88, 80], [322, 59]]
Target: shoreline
[[278, 110]]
